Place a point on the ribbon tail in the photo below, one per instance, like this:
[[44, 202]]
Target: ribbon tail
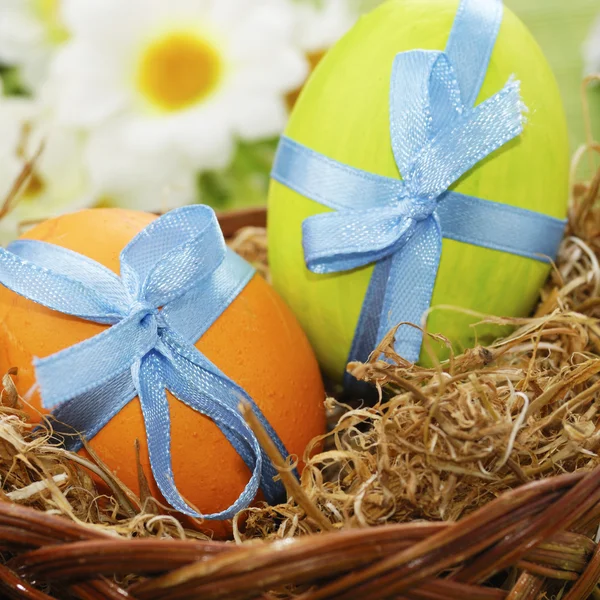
[[202, 386], [410, 287], [424, 98], [235, 430], [454, 151], [365, 336], [471, 43], [149, 380]]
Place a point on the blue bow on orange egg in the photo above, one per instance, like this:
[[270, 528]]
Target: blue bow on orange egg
[[177, 278]]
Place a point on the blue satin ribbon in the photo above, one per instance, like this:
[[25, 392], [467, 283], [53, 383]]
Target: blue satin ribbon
[[177, 278], [437, 135]]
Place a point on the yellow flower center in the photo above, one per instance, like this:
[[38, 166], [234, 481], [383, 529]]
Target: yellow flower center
[[48, 11], [178, 70]]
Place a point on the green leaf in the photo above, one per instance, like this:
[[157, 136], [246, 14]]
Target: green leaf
[[11, 82], [244, 183]]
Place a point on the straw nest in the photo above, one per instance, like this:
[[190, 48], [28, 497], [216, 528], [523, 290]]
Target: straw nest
[[444, 441], [482, 475]]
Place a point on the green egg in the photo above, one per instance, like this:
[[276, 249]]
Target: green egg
[[343, 113]]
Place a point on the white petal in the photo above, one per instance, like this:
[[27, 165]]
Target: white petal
[[592, 49], [261, 117], [278, 73], [61, 165], [99, 20], [319, 27], [180, 191], [179, 11], [263, 54], [25, 41], [64, 181], [121, 169], [88, 86], [203, 137], [230, 13], [19, 32]]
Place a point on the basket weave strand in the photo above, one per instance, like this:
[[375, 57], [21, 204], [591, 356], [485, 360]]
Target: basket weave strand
[[536, 530]]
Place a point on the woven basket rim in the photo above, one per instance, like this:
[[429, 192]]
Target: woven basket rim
[[522, 529]]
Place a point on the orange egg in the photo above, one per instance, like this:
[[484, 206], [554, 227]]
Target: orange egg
[[257, 342]]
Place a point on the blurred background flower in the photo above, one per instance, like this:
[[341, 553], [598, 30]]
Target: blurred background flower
[[58, 181], [30, 31], [592, 49], [172, 85], [151, 104]]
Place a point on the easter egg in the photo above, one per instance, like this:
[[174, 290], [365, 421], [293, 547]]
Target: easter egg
[[343, 113], [257, 342]]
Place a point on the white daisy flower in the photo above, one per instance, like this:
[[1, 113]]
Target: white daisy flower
[[166, 87], [58, 183], [592, 49], [30, 31]]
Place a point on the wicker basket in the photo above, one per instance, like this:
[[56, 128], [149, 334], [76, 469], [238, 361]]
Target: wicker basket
[[536, 541], [537, 536]]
